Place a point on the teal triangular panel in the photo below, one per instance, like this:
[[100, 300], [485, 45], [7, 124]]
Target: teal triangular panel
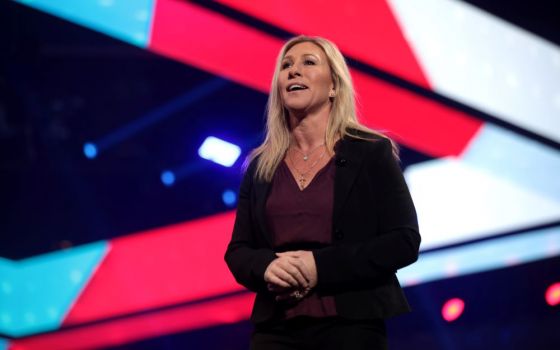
[[36, 293], [128, 20]]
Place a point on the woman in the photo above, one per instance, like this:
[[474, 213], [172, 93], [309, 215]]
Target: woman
[[324, 217]]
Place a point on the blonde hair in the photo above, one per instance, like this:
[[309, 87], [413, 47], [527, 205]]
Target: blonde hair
[[342, 118]]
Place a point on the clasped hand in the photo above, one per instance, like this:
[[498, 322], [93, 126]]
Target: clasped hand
[[291, 275]]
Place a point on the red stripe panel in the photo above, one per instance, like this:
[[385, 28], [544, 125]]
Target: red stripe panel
[[364, 29], [161, 267], [222, 46], [118, 332], [416, 122], [191, 34]]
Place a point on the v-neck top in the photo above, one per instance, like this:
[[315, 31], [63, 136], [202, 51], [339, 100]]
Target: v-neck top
[[302, 220]]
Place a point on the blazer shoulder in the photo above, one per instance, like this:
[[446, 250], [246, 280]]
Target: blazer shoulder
[[361, 135], [370, 142], [250, 172], [251, 167]]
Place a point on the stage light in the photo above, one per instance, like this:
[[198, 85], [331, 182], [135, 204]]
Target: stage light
[[90, 150], [452, 309], [168, 178], [552, 294], [219, 151], [229, 198]]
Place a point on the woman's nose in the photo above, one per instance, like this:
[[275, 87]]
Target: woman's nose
[[294, 71]]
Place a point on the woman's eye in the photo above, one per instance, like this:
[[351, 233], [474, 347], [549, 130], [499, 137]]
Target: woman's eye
[[309, 62], [285, 65]]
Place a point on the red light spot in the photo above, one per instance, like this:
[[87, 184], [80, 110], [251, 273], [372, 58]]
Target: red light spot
[[552, 294], [452, 309]]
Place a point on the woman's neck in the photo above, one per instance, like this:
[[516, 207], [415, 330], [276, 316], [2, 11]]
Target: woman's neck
[[308, 131]]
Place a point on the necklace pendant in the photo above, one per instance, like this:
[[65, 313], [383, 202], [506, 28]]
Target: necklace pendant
[[305, 158]]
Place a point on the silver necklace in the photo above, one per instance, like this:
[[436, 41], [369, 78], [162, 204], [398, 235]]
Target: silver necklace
[[306, 155], [301, 175]]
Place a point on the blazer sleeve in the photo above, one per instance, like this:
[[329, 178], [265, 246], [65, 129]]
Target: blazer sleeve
[[396, 244], [246, 261]]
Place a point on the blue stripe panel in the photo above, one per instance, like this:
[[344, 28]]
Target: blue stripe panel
[[3, 344], [127, 20], [37, 293], [482, 256], [525, 162]]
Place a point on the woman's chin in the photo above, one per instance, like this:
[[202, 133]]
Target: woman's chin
[[297, 106], [300, 106]]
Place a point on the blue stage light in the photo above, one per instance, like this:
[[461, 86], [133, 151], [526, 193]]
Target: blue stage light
[[219, 151], [229, 198], [90, 150], [168, 178]]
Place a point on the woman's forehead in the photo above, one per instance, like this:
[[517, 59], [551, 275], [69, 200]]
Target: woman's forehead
[[303, 48]]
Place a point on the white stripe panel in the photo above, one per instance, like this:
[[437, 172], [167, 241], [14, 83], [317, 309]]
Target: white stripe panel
[[483, 256], [508, 155], [458, 202], [483, 61]]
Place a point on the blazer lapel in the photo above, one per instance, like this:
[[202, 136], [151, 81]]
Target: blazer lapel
[[348, 162]]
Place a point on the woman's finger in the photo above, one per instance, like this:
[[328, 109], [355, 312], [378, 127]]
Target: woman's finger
[[293, 254], [273, 274], [295, 258], [293, 270], [303, 269], [285, 275], [278, 281]]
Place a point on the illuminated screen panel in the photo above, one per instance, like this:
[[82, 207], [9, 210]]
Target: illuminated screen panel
[[485, 62], [484, 180], [161, 267], [127, 20], [411, 119], [127, 330], [210, 41], [363, 29]]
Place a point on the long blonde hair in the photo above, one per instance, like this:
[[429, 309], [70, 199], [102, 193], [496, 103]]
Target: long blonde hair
[[342, 118]]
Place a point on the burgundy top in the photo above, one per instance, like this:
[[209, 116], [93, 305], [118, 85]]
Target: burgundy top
[[302, 220]]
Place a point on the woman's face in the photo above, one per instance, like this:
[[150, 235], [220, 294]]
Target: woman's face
[[305, 78]]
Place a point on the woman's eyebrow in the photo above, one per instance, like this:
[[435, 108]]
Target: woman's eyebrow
[[305, 54]]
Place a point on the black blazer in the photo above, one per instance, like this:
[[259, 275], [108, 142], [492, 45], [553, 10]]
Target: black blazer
[[375, 233]]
